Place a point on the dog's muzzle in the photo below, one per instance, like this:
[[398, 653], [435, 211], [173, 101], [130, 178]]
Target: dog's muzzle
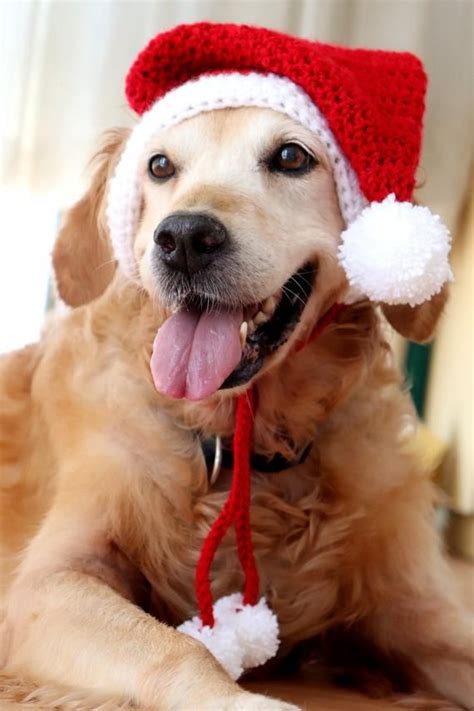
[[189, 242]]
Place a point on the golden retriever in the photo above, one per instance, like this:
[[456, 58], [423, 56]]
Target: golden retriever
[[105, 493]]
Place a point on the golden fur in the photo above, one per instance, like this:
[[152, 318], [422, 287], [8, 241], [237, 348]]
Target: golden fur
[[104, 494]]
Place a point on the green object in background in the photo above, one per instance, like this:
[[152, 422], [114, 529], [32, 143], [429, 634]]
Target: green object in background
[[417, 366]]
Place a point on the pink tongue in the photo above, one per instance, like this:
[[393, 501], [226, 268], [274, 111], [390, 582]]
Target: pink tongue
[[194, 353]]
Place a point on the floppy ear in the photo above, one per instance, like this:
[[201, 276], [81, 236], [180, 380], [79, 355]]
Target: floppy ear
[[82, 256], [417, 323]]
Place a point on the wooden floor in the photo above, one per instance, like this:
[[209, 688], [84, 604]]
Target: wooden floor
[[313, 697]]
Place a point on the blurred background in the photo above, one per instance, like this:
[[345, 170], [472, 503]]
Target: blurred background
[[62, 68]]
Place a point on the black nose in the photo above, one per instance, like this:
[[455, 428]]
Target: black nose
[[189, 241]]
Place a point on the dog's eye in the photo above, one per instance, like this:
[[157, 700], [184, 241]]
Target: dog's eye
[[160, 167], [293, 159]]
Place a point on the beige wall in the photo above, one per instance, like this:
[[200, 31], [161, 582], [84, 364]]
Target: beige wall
[[451, 394]]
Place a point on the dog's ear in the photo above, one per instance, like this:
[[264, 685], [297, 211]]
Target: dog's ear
[[82, 256], [417, 323]]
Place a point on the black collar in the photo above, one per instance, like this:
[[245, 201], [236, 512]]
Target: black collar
[[258, 462]]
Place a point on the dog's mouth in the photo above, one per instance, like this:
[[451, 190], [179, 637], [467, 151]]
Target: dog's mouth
[[205, 347]]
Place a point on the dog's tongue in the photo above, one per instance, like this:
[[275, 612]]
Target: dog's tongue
[[193, 353]]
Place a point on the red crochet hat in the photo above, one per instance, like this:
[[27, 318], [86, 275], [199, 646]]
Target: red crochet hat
[[373, 101], [367, 108]]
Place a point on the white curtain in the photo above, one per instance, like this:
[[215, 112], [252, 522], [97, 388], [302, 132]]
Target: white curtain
[[61, 83]]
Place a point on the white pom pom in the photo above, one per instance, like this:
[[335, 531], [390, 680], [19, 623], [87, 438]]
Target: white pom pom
[[396, 252], [243, 636]]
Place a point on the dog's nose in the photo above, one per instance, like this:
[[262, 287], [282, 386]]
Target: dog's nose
[[189, 241]]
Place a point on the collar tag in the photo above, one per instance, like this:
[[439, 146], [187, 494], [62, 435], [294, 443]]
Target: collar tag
[[217, 464]]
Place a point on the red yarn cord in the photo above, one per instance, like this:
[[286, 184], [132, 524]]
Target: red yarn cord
[[242, 474], [236, 510], [208, 551], [327, 318]]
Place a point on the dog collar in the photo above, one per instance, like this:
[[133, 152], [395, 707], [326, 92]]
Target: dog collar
[[219, 457]]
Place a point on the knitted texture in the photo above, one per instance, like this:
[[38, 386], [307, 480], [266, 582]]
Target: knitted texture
[[206, 94], [372, 100], [365, 106]]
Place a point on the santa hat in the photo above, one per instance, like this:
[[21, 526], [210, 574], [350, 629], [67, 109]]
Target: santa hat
[[366, 108]]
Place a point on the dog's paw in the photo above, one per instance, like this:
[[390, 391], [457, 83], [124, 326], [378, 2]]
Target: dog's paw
[[245, 701]]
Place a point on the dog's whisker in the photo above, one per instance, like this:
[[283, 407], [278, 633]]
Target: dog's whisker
[[300, 278], [286, 289]]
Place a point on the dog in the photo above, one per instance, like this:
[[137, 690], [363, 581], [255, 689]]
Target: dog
[[105, 492]]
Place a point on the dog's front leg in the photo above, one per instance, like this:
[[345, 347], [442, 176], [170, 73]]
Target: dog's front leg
[[69, 622]]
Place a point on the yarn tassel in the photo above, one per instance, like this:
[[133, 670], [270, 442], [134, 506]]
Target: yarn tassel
[[241, 631]]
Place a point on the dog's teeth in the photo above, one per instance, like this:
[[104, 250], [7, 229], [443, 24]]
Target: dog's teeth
[[251, 325], [268, 306], [260, 318], [244, 327]]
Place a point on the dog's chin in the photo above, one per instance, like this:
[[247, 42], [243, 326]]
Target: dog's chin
[[207, 346]]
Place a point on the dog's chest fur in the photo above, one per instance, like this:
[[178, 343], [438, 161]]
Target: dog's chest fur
[[298, 535], [158, 505]]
